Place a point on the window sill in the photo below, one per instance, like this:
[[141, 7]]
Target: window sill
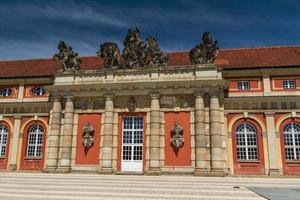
[[33, 158], [2, 157], [248, 161], [293, 162]]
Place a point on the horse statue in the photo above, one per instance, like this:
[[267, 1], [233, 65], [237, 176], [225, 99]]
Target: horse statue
[[157, 56], [206, 51], [110, 52], [134, 53], [67, 57]]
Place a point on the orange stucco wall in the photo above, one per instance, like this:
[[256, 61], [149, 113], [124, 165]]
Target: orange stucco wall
[[255, 85], [277, 83], [182, 157], [88, 155]]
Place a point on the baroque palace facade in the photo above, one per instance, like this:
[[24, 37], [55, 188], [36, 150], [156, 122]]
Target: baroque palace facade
[[203, 112]]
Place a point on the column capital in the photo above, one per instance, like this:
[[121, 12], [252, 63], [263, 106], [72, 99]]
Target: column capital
[[154, 95], [109, 96], [69, 98], [57, 98], [269, 113], [199, 94], [214, 94]]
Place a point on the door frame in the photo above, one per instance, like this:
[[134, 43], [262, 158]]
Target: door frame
[[120, 134]]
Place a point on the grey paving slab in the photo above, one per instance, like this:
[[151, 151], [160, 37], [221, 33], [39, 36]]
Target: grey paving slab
[[277, 193]]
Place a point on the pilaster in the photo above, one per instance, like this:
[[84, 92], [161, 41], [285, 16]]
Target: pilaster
[[65, 158], [202, 165], [14, 144], [107, 144], [217, 139], [154, 165], [273, 145]]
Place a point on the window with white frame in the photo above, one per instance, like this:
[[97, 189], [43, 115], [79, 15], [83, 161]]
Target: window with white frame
[[6, 92], [291, 134], [3, 139], [246, 142], [38, 91], [35, 141], [289, 84], [243, 85]]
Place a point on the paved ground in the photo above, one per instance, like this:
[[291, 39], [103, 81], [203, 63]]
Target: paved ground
[[94, 186]]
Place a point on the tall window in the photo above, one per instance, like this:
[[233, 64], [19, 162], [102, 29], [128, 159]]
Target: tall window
[[246, 142], [291, 134], [35, 141], [3, 140], [243, 85], [289, 84]]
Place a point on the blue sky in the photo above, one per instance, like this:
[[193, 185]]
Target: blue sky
[[31, 29]]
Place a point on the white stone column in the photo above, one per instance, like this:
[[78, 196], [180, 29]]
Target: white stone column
[[107, 144], [54, 136], [273, 147], [202, 165], [14, 144], [65, 159], [154, 165], [217, 139]]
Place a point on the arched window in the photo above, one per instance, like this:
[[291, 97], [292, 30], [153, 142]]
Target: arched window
[[246, 142], [35, 141], [38, 91], [291, 134], [3, 139]]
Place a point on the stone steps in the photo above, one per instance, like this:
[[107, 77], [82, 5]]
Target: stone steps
[[95, 186]]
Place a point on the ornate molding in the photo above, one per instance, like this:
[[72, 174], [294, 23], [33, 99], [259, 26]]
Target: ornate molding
[[131, 104]]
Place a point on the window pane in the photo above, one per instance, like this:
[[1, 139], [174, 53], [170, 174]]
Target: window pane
[[3, 139], [243, 85], [35, 141], [246, 141], [291, 136]]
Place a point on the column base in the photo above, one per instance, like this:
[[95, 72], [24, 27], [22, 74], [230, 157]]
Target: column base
[[63, 170], [50, 170], [274, 172], [218, 172], [153, 171], [12, 167], [105, 171], [202, 172]]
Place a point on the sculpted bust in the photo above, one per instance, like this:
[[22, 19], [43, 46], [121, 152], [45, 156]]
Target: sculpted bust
[[177, 139], [88, 135]]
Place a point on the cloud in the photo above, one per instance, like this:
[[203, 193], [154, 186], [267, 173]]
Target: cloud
[[31, 29]]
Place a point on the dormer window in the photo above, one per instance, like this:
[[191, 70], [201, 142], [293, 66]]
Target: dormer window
[[289, 84], [38, 91], [243, 85], [6, 92]]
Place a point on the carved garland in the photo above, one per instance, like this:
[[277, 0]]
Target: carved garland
[[177, 139]]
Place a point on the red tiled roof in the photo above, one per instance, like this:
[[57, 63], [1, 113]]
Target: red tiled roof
[[227, 59]]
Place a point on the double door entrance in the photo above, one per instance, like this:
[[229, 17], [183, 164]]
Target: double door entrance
[[132, 144]]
